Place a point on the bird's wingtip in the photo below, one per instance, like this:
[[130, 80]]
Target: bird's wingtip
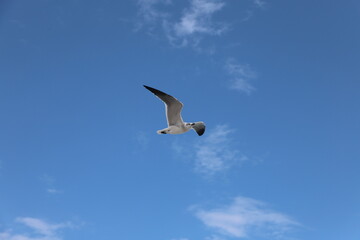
[[148, 88], [200, 132], [199, 128]]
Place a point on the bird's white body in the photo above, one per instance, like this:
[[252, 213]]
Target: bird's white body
[[175, 129], [173, 109]]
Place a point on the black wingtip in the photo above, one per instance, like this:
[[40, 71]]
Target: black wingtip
[[150, 88], [201, 132], [155, 91]]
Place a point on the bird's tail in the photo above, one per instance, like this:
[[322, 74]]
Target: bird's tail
[[162, 131]]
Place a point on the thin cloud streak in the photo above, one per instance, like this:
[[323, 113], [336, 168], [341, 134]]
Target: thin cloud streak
[[259, 3], [54, 191], [215, 154], [195, 21], [40, 230], [241, 76], [148, 10], [214, 237], [246, 217], [40, 226]]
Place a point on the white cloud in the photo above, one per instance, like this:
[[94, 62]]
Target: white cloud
[[186, 26], [54, 191], [149, 12], [259, 3], [213, 153], [40, 230], [241, 76], [246, 217], [194, 22], [40, 226], [214, 237], [197, 19]]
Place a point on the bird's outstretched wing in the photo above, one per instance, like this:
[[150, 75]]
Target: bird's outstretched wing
[[199, 127], [172, 105]]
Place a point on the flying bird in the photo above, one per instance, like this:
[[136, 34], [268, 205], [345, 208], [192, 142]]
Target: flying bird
[[173, 115]]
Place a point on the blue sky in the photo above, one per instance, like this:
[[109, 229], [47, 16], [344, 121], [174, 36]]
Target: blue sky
[[276, 82]]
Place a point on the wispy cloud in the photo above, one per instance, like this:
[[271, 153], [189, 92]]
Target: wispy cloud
[[198, 19], [195, 21], [241, 76], [214, 153], [49, 181], [54, 191], [149, 12], [214, 237], [259, 3], [246, 217], [40, 230]]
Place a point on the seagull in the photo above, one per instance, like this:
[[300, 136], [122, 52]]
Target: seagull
[[173, 115]]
